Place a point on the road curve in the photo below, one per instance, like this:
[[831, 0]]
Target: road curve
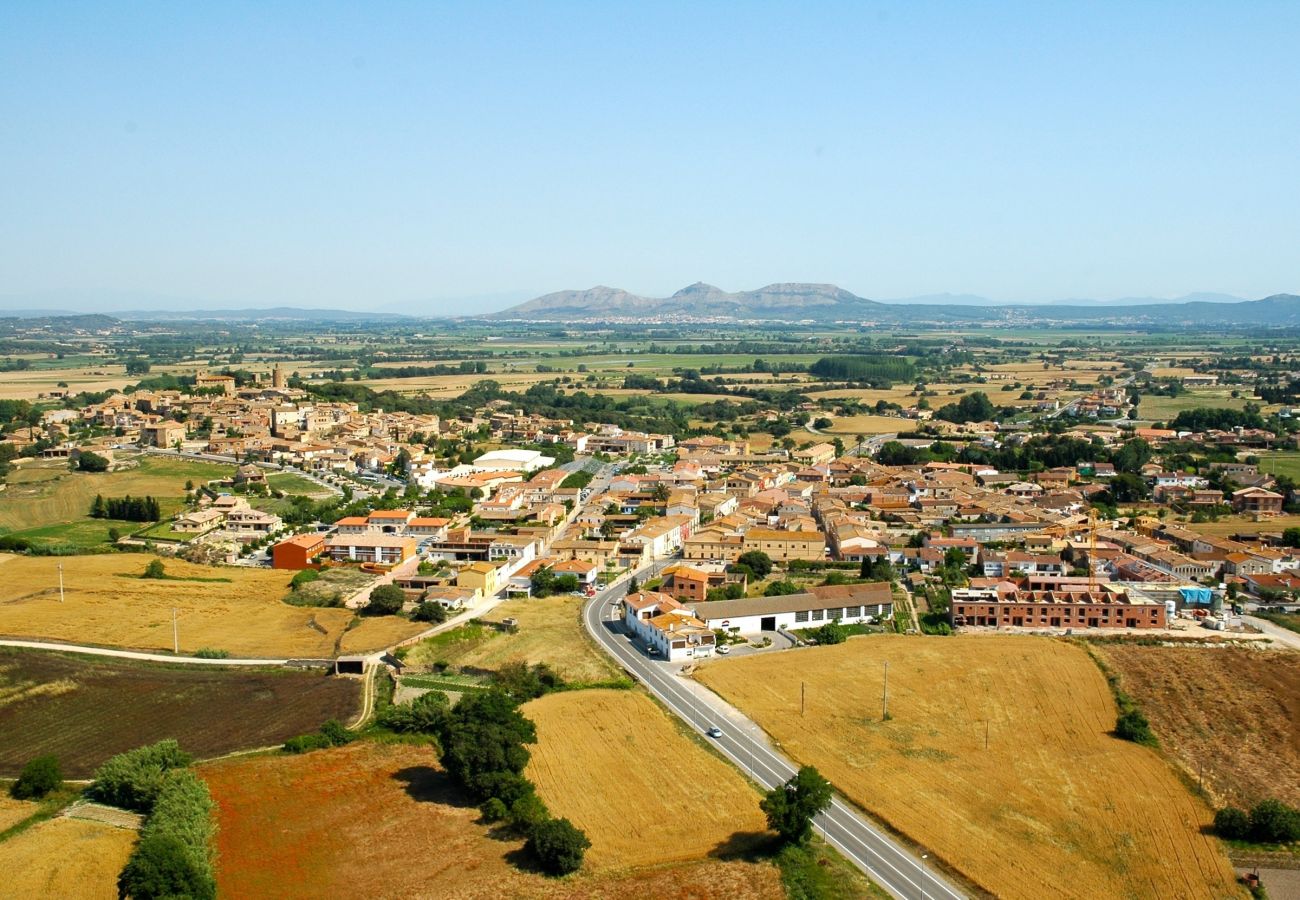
[[900, 872]]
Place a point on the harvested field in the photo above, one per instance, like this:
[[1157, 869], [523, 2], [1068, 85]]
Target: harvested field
[[1055, 807], [550, 631], [65, 858], [1227, 714], [1241, 525], [869, 425], [236, 609], [84, 709], [385, 816], [14, 811], [591, 746]]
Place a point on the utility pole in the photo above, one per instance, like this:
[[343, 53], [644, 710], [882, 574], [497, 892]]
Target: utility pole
[[176, 635], [60, 582], [884, 696], [803, 697]]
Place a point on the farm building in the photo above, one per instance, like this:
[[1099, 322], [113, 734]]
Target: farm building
[[667, 626], [298, 552], [848, 603]]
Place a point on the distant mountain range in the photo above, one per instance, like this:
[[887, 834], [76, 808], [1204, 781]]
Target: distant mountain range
[[797, 302], [784, 302]]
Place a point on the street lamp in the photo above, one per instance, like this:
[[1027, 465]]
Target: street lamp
[[924, 857]]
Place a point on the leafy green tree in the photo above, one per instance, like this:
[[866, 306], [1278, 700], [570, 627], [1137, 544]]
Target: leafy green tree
[[154, 569], [1274, 822], [558, 846], [791, 807], [162, 868], [832, 633], [485, 734], [527, 813], [781, 588], [758, 562], [1128, 488], [429, 611], [426, 714], [91, 462], [974, 407], [1232, 824], [40, 776], [385, 600], [493, 810]]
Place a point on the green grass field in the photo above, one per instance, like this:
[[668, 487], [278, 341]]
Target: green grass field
[[1164, 409], [291, 483], [1282, 463], [47, 502]]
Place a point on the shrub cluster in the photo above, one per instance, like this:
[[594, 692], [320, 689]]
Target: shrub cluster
[[173, 856], [306, 576], [133, 780], [331, 734], [40, 776], [1268, 822], [484, 741]]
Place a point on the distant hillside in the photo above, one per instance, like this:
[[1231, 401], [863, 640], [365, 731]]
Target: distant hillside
[[281, 313], [699, 300], [792, 302]]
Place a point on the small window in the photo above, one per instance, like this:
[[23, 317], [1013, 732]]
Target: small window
[[817, 614], [801, 616]]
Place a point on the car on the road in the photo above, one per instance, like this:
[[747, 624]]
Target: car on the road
[[723, 649], [714, 731]]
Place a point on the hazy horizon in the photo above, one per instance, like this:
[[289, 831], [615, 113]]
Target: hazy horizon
[[76, 303], [459, 159]]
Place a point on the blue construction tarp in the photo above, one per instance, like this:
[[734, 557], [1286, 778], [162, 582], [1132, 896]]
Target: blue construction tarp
[[1196, 596]]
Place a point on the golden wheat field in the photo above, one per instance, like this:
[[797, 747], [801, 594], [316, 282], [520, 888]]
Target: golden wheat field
[[65, 858], [382, 820], [614, 764], [14, 811], [1055, 807], [234, 609]]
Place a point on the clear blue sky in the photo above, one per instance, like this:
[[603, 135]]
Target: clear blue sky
[[397, 155]]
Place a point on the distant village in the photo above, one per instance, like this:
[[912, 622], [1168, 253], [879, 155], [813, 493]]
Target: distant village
[[1030, 548]]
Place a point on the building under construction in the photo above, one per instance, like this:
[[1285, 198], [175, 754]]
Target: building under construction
[[1055, 602]]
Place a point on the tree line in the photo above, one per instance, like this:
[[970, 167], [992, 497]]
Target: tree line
[[127, 509]]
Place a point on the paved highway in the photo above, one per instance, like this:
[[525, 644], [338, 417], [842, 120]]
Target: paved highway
[[902, 873]]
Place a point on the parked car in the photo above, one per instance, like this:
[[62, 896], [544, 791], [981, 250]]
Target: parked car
[[723, 649]]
